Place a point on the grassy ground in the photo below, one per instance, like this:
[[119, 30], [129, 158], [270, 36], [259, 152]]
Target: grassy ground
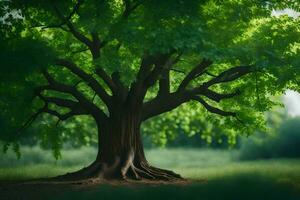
[[215, 174], [217, 164]]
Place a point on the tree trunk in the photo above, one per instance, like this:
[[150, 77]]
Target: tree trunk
[[121, 153]]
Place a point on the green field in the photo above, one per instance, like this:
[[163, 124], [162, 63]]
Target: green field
[[216, 174]]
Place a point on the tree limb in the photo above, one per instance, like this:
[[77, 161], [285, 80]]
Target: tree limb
[[215, 96], [164, 81], [61, 117], [75, 108], [213, 109], [94, 44], [106, 78], [66, 21], [79, 51], [177, 70], [160, 63], [93, 83], [160, 105], [56, 86], [226, 76], [194, 73], [230, 75], [130, 7], [61, 102], [72, 29], [31, 119], [150, 70]]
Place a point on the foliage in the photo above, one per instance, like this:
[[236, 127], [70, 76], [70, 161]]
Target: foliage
[[282, 140], [36, 155], [192, 127], [230, 33]]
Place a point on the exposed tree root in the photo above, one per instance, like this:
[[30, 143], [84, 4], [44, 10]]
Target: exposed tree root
[[140, 169], [120, 171]]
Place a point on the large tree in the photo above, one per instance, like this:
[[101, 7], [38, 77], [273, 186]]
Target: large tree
[[125, 62]]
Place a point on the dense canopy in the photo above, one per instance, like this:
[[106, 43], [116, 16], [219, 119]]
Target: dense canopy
[[237, 49]]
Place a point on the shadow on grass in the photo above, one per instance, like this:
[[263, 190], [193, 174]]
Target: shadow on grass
[[247, 186], [238, 187]]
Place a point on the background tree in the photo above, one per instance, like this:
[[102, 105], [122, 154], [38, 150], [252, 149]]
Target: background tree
[[124, 62], [280, 141]]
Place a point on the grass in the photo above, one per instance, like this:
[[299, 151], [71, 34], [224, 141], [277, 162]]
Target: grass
[[212, 164], [238, 187], [36, 163], [34, 171], [225, 177]]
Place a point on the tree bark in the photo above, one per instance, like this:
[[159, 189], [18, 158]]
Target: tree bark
[[121, 153]]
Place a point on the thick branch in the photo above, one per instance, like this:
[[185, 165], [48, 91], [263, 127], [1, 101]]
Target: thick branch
[[226, 76], [93, 83], [130, 7], [60, 102], [121, 90], [154, 65], [230, 75], [106, 78], [61, 117], [162, 104], [66, 21], [213, 109], [164, 83], [144, 71], [194, 73], [74, 106], [219, 96], [56, 86], [150, 70], [160, 63], [145, 68], [94, 44]]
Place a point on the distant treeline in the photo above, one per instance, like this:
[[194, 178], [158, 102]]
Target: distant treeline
[[283, 143], [281, 139]]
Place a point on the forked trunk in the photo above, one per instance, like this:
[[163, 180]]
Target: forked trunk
[[121, 153]]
